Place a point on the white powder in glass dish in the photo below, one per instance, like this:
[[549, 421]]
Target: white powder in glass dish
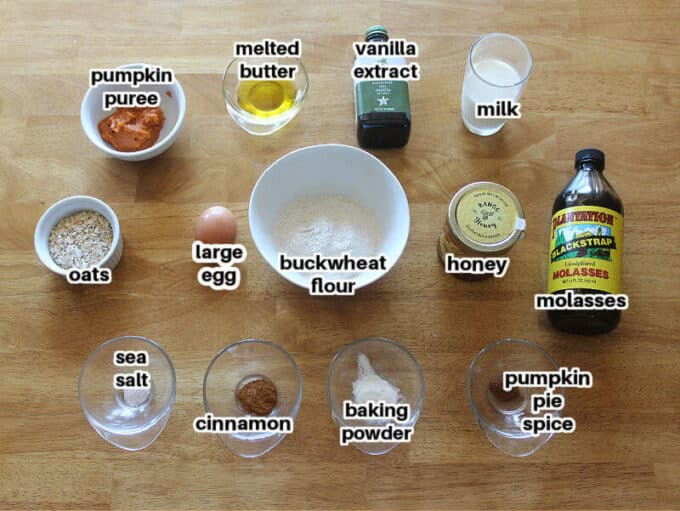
[[135, 397], [330, 225], [370, 386]]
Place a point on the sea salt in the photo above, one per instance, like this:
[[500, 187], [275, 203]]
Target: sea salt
[[135, 397]]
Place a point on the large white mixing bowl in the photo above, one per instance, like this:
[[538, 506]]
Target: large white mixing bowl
[[330, 169]]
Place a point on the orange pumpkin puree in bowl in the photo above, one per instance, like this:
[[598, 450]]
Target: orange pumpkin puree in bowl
[[132, 129]]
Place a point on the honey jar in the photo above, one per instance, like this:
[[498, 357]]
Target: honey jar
[[484, 220]]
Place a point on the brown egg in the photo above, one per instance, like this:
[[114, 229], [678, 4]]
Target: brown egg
[[216, 225]]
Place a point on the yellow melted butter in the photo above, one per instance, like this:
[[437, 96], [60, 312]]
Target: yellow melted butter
[[266, 98]]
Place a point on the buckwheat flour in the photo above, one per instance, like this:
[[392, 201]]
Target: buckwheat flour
[[330, 225]]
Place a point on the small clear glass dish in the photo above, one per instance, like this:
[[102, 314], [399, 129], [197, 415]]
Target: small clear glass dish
[[500, 420], [239, 364], [262, 107], [391, 361], [133, 421]]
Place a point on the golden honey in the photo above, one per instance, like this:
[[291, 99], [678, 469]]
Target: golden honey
[[484, 220]]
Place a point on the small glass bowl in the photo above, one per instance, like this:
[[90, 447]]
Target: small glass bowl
[[391, 361], [238, 364], [130, 427], [501, 422], [258, 125]]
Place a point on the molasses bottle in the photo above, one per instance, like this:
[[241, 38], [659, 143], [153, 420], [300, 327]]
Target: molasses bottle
[[383, 112], [586, 245]]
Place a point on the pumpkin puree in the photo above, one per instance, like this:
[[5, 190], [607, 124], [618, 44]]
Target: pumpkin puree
[[132, 129]]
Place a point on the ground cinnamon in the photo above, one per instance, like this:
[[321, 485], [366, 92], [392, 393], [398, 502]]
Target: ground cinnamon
[[258, 397]]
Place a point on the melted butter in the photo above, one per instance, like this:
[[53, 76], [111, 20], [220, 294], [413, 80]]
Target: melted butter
[[266, 98]]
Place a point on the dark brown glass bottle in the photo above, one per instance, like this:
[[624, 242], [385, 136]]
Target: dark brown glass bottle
[[586, 245], [383, 112]]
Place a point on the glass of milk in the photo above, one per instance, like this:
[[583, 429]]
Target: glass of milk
[[497, 69]]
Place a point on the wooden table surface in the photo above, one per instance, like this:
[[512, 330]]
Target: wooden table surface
[[607, 74]]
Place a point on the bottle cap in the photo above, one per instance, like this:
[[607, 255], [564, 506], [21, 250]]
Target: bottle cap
[[594, 156], [376, 32]]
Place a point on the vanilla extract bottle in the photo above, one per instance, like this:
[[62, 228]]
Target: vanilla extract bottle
[[586, 245], [383, 112]]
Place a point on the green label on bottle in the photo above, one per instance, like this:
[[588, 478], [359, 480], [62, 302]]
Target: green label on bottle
[[382, 96]]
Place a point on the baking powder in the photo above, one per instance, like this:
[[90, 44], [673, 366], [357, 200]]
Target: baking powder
[[370, 386]]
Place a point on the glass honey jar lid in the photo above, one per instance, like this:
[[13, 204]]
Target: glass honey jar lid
[[486, 218]]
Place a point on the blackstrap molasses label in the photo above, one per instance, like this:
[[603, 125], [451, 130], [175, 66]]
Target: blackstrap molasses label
[[586, 248]]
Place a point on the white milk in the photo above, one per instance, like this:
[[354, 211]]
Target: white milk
[[479, 91]]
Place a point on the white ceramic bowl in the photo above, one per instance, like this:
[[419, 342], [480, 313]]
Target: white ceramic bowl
[[174, 109], [66, 207], [330, 169]]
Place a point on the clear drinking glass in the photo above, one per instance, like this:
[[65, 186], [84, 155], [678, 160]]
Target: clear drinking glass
[[127, 421], [500, 419], [276, 102], [239, 364], [389, 360], [497, 68]]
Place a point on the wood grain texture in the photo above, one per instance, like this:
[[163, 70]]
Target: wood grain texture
[[607, 75]]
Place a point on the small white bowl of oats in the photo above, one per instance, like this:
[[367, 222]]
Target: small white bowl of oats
[[78, 232]]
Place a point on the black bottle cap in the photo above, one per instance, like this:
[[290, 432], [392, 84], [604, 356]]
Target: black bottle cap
[[376, 33], [593, 156]]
